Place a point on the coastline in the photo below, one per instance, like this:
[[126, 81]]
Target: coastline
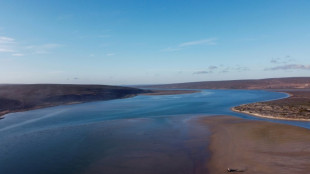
[[253, 146], [270, 117], [25, 97], [295, 107], [151, 92], [4, 113]]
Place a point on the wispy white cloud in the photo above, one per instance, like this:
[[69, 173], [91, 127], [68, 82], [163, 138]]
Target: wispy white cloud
[[241, 68], [43, 49], [17, 54], [212, 67], [171, 49], [6, 40], [286, 63], [210, 41], [209, 70], [222, 69], [282, 60], [5, 50], [289, 67], [110, 54], [7, 44], [73, 79], [202, 72]]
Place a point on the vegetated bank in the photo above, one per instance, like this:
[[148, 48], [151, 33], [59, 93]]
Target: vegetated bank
[[295, 107], [22, 97]]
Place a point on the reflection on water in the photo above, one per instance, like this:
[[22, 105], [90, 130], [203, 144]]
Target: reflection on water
[[144, 134]]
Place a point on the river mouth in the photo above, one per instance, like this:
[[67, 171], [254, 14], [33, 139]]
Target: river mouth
[[144, 134]]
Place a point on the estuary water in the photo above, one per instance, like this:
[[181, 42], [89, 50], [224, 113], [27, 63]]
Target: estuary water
[[143, 134]]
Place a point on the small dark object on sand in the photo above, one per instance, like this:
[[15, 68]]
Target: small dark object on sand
[[234, 170]]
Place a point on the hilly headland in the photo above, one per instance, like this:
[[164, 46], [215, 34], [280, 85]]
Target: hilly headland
[[22, 97]]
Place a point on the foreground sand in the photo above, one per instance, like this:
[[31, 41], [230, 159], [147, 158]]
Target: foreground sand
[[203, 145], [257, 146]]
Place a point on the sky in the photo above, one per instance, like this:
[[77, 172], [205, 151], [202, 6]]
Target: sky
[[126, 42]]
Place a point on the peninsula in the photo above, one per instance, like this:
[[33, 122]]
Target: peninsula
[[22, 97], [295, 107], [14, 98]]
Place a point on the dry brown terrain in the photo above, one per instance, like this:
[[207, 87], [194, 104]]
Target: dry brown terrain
[[15, 98], [257, 147], [272, 83], [296, 107]]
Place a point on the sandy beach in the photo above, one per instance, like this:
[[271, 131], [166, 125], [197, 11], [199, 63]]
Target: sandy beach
[[257, 146]]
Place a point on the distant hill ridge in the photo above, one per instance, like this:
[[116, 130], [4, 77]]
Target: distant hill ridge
[[271, 83], [21, 97]]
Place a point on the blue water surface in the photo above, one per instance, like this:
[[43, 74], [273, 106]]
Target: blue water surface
[[58, 139], [206, 102]]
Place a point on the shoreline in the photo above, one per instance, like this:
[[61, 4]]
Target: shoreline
[[153, 92], [171, 92], [295, 107], [266, 116], [25, 97], [6, 112], [256, 147]]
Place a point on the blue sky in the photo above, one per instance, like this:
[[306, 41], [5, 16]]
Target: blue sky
[[147, 42]]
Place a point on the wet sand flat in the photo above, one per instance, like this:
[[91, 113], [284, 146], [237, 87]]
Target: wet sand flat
[[257, 146], [160, 145], [153, 146]]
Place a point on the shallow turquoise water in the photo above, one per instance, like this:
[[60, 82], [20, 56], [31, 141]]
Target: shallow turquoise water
[[107, 136]]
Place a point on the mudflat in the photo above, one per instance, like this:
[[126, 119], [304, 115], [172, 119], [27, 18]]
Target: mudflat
[[257, 146]]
